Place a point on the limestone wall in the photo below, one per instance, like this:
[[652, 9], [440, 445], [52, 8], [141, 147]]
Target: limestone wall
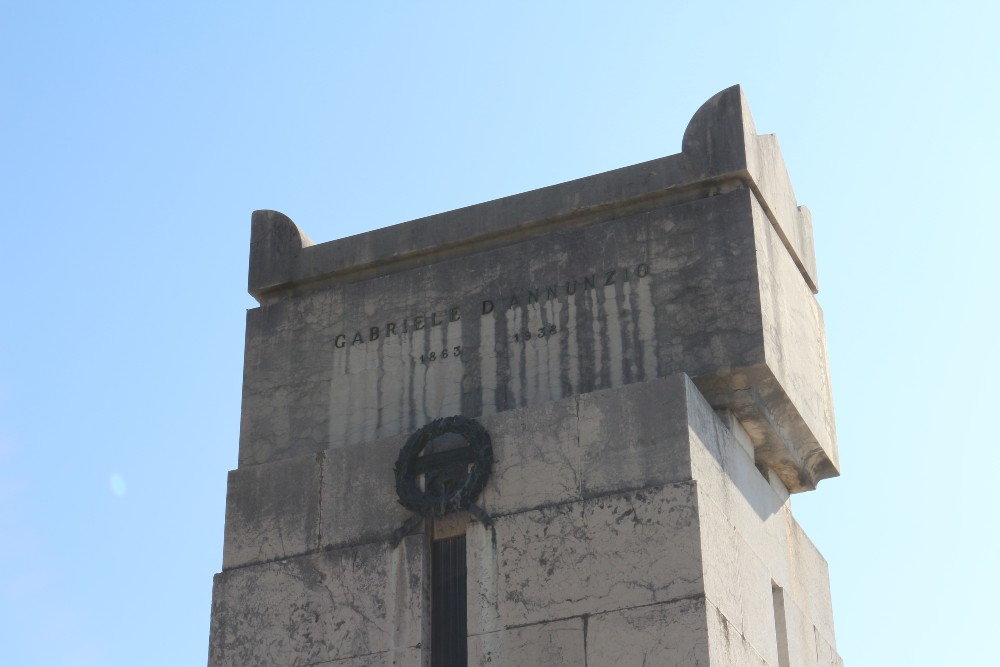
[[700, 262], [614, 511], [644, 348]]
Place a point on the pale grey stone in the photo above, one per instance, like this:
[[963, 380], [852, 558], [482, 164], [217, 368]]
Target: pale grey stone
[[556, 643], [672, 634], [636, 436], [272, 511], [721, 138], [359, 494], [327, 606], [800, 635], [756, 604], [826, 655], [683, 264], [646, 350], [809, 581], [727, 646], [536, 454], [407, 657], [595, 555], [730, 479]]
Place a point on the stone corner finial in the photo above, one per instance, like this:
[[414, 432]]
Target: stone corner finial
[[275, 243], [717, 137]]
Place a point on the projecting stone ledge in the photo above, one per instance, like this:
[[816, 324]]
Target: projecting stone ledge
[[699, 263], [720, 151]]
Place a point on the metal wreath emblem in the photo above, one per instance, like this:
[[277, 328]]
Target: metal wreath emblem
[[443, 491]]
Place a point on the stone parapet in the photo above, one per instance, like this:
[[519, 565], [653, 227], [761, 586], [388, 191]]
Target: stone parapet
[[699, 263]]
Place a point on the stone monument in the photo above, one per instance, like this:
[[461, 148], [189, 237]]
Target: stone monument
[[559, 428]]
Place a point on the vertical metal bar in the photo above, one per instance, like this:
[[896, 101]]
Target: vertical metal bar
[[449, 625]]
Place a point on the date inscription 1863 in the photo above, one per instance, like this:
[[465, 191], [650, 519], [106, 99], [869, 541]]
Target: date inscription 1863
[[515, 299]]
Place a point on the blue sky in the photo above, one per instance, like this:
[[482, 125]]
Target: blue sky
[[138, 137]]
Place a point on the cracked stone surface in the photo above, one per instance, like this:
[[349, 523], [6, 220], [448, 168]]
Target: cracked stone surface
[[673, 634], [327, 606], [272, 511], [590, 556], [556, 643], [644, 347], [673, 267]]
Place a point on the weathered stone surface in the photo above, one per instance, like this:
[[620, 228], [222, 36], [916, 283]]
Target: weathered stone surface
[[726, 646], [536, 453], [636, 436], [328, 606], [721, 140], [595, 555], [679, 265], [646, 351], [749, 539], [409, 657], [737, 582], [359, 494], [805, 645], [673, 634], [589, 445], [272, 511], [809, 581], [557, 643]]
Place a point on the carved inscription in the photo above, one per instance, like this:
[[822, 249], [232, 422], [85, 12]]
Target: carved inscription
[[502, 346], [454, 352], [400, 327], [518, 298]]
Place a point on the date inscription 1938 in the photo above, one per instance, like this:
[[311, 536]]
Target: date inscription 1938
[[513, 299]]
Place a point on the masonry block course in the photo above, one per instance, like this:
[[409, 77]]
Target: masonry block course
[[646, 352]]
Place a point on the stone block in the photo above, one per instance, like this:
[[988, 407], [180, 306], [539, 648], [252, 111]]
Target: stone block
[[722, 139], [795, 353], [328, 606], [727, 647], [646, 350], [826, 655], [584, 446], [720, 561], [697, 263], [636, 436], [800, 635], [272, 511], [359, 493], [728, 476], [585, 557], [809, 581], [536, 454], [737, 581], [408, 657], [286, 389], [672, 634], [784, 399], [556, 643], [756, 604]]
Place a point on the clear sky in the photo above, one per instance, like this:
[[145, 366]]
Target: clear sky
[[136, 138]]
